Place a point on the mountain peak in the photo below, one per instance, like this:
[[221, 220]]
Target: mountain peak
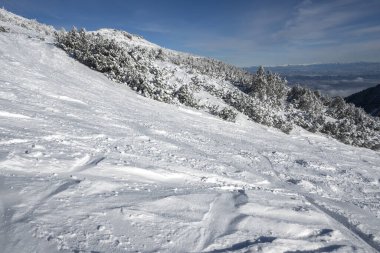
[[17, 24]]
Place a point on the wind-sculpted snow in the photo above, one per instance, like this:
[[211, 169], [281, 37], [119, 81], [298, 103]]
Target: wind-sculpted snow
[[86, 165]]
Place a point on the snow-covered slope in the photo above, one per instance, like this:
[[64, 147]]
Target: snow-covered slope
[[10, 22], [216, 87], [86, 165]]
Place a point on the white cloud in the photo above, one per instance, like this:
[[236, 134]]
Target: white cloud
[[320, 21], [360, 31]]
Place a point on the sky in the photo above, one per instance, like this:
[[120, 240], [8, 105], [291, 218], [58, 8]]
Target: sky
[[240, 32]]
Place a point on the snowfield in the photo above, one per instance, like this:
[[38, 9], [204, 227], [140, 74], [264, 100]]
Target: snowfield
[[87, 165]]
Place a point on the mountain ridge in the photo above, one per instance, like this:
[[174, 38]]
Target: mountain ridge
[[210, 85], [353, 68], [368, 99], [87, 165], [218, 88]]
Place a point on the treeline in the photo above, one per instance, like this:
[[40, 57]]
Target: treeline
[[264, 97]]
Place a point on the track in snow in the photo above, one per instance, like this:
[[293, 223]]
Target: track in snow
[[343, 221]]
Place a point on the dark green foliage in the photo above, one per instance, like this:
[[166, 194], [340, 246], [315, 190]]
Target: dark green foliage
[[186, 96], [226, 113], [352, 125], [4, 29], [96, 52], [305, 99], [268, 87], [346, 122], [257, 110], [108, 57]]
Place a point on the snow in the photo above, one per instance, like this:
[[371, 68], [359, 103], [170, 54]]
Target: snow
[[87, 165], [13, 115], [64, 98]]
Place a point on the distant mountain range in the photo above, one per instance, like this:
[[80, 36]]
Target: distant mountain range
[[368, 99], [328, 69], [335, 79]]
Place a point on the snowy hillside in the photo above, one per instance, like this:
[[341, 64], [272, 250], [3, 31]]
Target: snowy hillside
[[215, 87], [87, 165]]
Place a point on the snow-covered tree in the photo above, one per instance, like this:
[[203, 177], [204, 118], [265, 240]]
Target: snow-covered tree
[[263, 97], [268, 87]]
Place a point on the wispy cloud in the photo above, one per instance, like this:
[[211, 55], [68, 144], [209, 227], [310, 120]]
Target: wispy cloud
[[241, 32], [154, 28], [322, 20], [360, 31], [310, 31]]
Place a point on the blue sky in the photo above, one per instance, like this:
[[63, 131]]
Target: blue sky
[[240, 32]]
